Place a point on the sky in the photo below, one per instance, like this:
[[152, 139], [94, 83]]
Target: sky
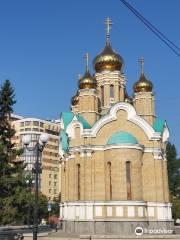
[[42, 44]]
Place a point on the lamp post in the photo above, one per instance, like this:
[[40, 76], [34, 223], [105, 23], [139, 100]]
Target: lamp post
[[30, 183], [38, 148]]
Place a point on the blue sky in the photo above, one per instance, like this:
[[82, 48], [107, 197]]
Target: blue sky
[[42, 44]]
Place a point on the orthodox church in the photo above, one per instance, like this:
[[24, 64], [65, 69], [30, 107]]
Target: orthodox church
[[112, 147]]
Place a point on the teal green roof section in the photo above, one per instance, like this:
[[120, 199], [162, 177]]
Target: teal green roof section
[[122, 138], [67, 117], [64, 141], [158, 125], [85, 124]]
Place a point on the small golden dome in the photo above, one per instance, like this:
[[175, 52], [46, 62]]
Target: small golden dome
[[75, 100], [87, 81], [108, 60], [143, 85]]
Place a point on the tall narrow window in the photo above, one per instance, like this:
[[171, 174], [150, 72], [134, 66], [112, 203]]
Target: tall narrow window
[[111, 91], [109, 180], [78, 181], [102, 95], [128, 180]]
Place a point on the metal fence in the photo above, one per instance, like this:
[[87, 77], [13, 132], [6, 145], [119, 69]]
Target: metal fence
[[6, 235]]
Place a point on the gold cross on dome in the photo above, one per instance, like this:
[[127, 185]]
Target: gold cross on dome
[[141, 61], [108, 24], [86, 57]]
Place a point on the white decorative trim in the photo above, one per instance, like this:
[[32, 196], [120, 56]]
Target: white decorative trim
[[119, 211], [112, 116], [98, 211], [89, 210], [90, 149], [132, 117], [71, 156], [152, 150], [140, 212], [106, 203], [150, 211], [131, 212], [165, 135], [70, 130], [82, 154], [109, 211]]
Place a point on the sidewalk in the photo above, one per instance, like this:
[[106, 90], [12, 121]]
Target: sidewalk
[[63, 236]]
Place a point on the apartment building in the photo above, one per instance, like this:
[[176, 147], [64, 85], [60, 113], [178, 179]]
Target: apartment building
[[50, 176]]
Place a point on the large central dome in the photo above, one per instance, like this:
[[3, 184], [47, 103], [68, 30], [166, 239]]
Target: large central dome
[[108, 60]]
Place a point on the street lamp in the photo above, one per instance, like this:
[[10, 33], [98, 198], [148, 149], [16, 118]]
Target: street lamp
[[29, 184], [38, 148]]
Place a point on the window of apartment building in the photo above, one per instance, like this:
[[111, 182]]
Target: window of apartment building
[[22, 124], [41, 124], [55, 176], [36, 129], [35, 123], [27, 123], [50, 175], [50, 190], [49, 183], [55, 191], [21, 130], [27, 129], [55, 184], [34, 137]]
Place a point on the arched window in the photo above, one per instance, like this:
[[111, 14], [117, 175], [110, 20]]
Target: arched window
[[109, 177], [78, 181], [111, 91], [128, 180], [102, 95]]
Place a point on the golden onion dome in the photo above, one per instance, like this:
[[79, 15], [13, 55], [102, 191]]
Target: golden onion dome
[[87, 81], [143, 85], [75, 100], [108, 60]]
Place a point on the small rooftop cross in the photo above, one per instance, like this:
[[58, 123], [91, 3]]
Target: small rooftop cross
[[108, 24], [86, 57], [141, 61]]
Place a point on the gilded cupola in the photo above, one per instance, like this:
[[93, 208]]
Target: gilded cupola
[[75, 100], [108, 59], [143, 84], [87, 81]]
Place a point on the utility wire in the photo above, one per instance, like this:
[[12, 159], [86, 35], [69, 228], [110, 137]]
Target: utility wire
[[150, 26], [141, 16]]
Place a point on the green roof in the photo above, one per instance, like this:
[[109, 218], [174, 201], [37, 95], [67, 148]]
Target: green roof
[[85, 124], [122, 138], [64, 140], [158, 125], [67, 117]]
